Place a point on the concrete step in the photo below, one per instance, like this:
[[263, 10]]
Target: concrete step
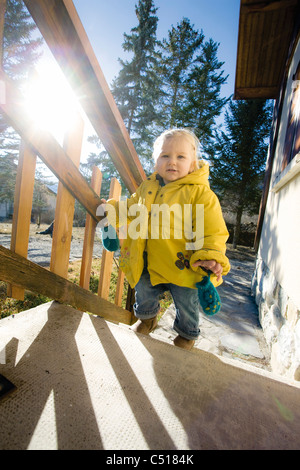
[[224, 335], [84, 383]]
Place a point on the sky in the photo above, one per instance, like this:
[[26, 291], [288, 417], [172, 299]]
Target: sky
[[106, 21]]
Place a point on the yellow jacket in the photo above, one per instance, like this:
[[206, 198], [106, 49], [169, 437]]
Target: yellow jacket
[[170, 258]]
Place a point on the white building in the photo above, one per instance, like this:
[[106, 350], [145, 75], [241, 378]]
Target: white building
[[268, 66]]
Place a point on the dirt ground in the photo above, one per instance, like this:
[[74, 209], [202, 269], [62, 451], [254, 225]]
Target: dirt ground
[[5, 228], [242, 253]]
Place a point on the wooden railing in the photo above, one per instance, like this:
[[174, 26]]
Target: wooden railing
[[60, 25]]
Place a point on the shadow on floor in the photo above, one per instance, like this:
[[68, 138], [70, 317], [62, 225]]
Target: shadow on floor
[[83, 383]]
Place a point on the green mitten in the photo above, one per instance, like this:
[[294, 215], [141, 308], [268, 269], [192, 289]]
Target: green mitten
[[110, 238], [208, 296]]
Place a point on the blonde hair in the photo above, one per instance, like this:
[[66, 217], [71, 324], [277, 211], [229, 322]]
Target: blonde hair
[[170, 133]]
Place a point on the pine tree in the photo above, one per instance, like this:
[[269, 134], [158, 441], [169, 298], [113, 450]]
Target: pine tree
[[136, 89], [192, 78], [173, 83], [178, 55], [8, 166], [20, 52], [203, 89], [239, 161], [105, 164]]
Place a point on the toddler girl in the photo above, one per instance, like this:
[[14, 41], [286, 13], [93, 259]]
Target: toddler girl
[[179, 249]]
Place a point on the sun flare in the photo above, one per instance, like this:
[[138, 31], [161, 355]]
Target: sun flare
[[50, 101]]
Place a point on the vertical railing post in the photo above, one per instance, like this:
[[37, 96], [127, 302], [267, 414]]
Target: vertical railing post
[[120, 287], [120, 283], [107, 256], [22, 209], [65, 205], [89, 235]]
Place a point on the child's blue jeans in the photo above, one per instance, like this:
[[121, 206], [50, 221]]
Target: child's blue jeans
[[186, 302]]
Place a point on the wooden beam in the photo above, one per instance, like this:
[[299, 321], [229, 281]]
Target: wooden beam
[[250, 93], [46, 147], [265, 40], [30, 276], [267, 5], [62, 29]]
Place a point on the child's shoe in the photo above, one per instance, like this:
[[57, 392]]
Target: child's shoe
[[184, 343], [145, 326]]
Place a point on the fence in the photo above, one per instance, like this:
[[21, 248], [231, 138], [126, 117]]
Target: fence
[[60, 25]]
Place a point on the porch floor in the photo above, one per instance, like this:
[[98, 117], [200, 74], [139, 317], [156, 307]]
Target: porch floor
[[85, 383]]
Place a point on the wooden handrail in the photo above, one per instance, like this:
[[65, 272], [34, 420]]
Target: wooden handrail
[[46, 147], [60, 25], [62, 29], [28, 275]]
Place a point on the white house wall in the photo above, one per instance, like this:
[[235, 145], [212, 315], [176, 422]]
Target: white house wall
[[280, 239], [276, 280]]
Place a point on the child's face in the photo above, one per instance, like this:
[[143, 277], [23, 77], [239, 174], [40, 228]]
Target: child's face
[[176, 158]]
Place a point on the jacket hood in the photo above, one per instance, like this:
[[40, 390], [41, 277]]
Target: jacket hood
[[199, 176]]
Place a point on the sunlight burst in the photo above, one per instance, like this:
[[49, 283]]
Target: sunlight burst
[[50, 101]]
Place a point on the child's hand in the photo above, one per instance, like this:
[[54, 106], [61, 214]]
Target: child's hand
[[212, 265]]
